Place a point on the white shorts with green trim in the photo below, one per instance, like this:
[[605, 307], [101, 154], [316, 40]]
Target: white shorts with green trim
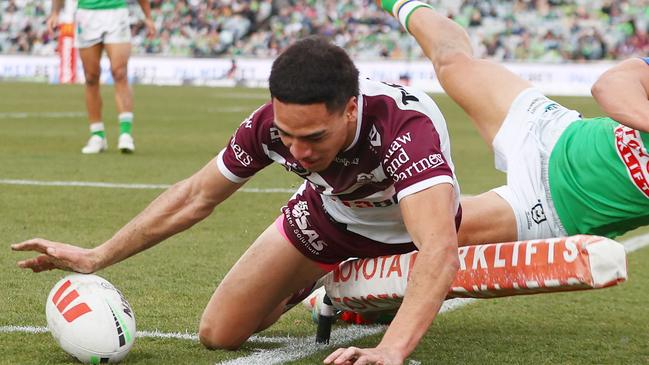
[[107, 26], [522, 149]]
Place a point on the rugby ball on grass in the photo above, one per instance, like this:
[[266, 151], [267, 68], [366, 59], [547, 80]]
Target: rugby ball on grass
[[90, 319]]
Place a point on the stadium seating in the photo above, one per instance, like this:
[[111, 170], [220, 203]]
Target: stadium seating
[[523, 30]]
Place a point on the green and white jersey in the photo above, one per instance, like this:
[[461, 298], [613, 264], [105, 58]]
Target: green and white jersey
[[101, 4], [599, 177]]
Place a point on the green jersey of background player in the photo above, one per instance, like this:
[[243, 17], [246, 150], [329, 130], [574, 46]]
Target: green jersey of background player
[[101, 4], [565, 175]]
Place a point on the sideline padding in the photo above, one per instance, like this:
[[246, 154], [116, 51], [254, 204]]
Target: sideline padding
[[486, 271]]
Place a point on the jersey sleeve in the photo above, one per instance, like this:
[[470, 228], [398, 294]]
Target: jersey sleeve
[[244, 155], [414, 160], [646, 60]]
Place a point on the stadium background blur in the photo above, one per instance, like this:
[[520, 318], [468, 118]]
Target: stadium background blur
[[548, 31], [48, 189]]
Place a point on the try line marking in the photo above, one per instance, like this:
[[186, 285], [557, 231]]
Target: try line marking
[[95, 184], [301, 347]]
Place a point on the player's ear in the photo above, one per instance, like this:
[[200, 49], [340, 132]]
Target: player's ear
[[351, 109]]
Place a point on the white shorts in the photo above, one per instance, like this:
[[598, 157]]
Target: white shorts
[[101, 26], [522, 149]]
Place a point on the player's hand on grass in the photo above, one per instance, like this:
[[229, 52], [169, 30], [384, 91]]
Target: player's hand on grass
[[358, 356], [56, 255]]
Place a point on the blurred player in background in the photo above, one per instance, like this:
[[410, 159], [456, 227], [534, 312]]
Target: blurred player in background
[[379, 180], [104, 24]]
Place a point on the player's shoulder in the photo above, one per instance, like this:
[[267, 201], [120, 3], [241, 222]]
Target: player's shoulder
[[394, 97], [262, 116], [392, 107], [257, 126]]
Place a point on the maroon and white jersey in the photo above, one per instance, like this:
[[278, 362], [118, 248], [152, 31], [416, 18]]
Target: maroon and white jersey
[[401, 147]]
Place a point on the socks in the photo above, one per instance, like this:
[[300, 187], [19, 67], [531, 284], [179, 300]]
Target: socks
[[97, 129], [402, 9], [125, 122]]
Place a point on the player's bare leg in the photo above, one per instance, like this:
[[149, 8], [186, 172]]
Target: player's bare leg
[[484, 89], [119, 54], [90, 58], [475, 229], [252, 295]]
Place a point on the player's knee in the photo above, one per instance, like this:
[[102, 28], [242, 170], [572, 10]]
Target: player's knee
[[92, 79], [119, 73], [219, 338], [451, 58]]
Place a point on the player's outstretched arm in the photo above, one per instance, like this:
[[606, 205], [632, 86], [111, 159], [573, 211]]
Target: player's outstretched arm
[[431, 277], [623, 93], [181, 206]]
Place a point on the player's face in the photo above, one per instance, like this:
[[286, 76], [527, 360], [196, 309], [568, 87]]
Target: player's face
[[313, 135]]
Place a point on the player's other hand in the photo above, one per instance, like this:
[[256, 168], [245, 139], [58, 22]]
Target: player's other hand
[[357, 356], [52, 23], [150, 27], [56, 255]]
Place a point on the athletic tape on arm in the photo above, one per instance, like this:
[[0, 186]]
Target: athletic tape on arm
[[486, 271]]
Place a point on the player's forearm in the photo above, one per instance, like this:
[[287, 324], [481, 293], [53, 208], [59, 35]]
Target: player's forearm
[[622, 92], [146, 8], [174, 211], [57, 5], [430, 280]]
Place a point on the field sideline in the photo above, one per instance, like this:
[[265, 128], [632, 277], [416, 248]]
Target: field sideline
[[48, 189]]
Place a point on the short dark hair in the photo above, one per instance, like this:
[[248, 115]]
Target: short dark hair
[[313, 70]]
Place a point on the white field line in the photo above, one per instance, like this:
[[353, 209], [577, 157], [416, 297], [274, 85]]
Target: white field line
[[91, 184], [24, 115], [297, 348]]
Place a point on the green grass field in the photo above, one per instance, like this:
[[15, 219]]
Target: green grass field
[[178, 130]]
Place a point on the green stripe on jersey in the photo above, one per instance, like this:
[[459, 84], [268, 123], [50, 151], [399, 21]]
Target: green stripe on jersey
[[592, 189], [101, 4]]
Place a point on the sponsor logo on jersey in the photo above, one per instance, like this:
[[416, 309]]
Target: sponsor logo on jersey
[[633, 154], [347, 162], [375, 137], [397, 144], [370, 203], [274, 134], [240, 154], [303, 231], [426, 163]]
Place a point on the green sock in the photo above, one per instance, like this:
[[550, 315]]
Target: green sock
[[125, 122], [97, 129]]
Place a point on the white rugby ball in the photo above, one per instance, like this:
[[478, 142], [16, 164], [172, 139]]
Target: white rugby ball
[[90, 319]]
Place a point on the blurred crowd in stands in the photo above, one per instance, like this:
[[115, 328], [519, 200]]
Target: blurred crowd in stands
[[522, 30]]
